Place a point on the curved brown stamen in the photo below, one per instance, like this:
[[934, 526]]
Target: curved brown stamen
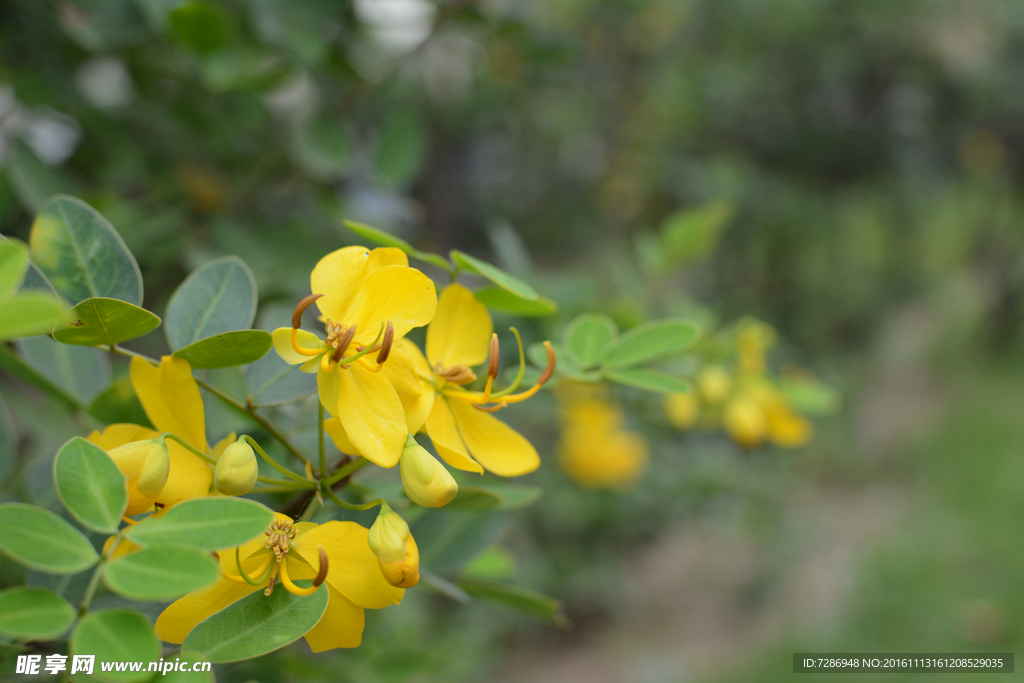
[[552, 360], [301, 308], [492, 368], [385, 344], [343, 343], [322, 574], [270, 586], [490, 409]]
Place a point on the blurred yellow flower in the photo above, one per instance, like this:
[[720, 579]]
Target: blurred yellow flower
[[335, 553], [395, 548], [369, 300], [596, 450]]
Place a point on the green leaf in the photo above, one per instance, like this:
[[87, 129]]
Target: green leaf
[[186, 675], [649, 341], [33, 181], [82, 254], [34, 614], [388, 240], [202, 26], [116, 635], [29, 314], [160, 572], [587, 336], [494, 274], [90, 485], [499, 299], [649, 380], [13, 264], [810, 396], [105, 321], [520, 599], [690, 234], [227, 349], [219, 297], [494, 563], [207, 523], [78, 370], [118, 403], [39, 539], [495, 496], [400, 148], [256, 625], [322, 147], [272, 382], [20, 368], [448, 538], [8, 441]]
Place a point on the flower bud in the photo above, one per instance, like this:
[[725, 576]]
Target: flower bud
[[682, 410], [236, 469], [146, 464], [426, 481], [396, 551], [745, 421], [714, 384]]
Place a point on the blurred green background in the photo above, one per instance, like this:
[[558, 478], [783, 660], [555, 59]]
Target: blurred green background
[[866, 154]]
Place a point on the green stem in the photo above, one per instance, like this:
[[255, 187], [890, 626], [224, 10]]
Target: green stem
[[349, 506], [323, 452], [306, 483], [286, 483], [94, 582], [307, 514], [345, 471], [192, 449], [273, 489]]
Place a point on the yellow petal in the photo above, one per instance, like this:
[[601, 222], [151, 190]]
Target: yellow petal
[[190, 477], [336, 431], [310, 366], [408, 372], [183, 614], [170, 396], [222, 445], [119, 434], [353, 569], [460, 333], [442, 431], [328, 384], [495, 445], [372, 414], [341, 625], [340, 274], [282, 337], [403, 296]]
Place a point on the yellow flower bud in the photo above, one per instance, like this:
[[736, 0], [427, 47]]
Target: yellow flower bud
[[681, 410], [786, 427], [146, 464], [745, 421], [396, 551], [714, 384], [236, 469], [426, 481]]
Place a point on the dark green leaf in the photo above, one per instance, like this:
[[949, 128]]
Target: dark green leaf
[[20, 368], [649, 380], [39, 539], [105, 321], [388, 240], [34, 614], [273, 382], [649, 341], [494, 274], [587, 336], [256, 625], [82, 254], [207, 523], [499, 299], [520, 599], [116, 635], [90, 485], [80, 371], [448, 538], [494, 496], [33, 181], [400, 148], [219, 297], [202, 26], [227, 349], [160, 572]]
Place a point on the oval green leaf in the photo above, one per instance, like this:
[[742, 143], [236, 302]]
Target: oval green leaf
[[29, 613], [649, 341], [587, 336], [160, 572], [116, 635], [80, 371], [520, 599], [227, 349], [388, 240], [81, 253], [207, 523], [256, 625], [272, 382], [90, 485], [447, 539], [219, 297], [494, 274], [13, 264], [102, 320], [499, 299], [649, 380], [186, 675], [29, 314], [496, 496], [39, 539]]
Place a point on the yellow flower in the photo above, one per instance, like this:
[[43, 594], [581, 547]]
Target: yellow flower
[[237, 470], [426, 481], [759, 412], [714, 384], [396, 551], [682, 410], [147, 465], [369, 300], [335, 553], [596, 450], [170, 396], [432, 390]]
